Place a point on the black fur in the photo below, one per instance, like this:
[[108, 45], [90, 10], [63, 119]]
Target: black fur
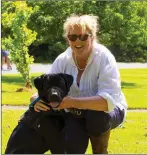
[[21, 140], [47, 83]]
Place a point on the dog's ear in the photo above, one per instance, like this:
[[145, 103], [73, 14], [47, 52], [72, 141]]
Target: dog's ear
[[38, 82], [68, 79]]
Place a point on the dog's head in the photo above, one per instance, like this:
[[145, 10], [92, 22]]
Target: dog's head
[[53, 87]]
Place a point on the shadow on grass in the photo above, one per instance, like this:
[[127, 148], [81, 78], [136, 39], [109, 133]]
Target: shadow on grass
[[3, 91], [128, 85], [18, 80]]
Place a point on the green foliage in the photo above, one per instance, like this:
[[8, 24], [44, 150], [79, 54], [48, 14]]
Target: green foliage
[[126, 31], [123, 25], [21, 38], [50, 15], [55, 50]]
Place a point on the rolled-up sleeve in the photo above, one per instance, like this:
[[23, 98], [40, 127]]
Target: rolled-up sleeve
[[109, 86]]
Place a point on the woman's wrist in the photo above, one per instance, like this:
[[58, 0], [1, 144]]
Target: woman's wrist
[[74, 102], [70, 102]]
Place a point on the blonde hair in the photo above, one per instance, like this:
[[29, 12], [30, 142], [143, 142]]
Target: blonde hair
[[89, 22]]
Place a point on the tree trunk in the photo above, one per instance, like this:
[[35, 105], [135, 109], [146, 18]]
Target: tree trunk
[[28, 85]]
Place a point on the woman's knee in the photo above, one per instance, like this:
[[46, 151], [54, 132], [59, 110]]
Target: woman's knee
[[97, 122], [117, 117]]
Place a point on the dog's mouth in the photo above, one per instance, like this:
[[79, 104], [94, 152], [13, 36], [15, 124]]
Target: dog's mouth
[[54, 97], [54, 104]]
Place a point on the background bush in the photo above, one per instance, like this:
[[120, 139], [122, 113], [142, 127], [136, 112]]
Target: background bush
[[123, 26]]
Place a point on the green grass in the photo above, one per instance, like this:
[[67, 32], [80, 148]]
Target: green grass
[[10, 83], [134, 86], [130, 139]]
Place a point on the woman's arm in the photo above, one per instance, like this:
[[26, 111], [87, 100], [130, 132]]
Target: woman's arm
[[91, 103]]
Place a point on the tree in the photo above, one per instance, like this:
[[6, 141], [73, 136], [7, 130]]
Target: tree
[[21, 37], [124, 30], [50, 16], [123, 26]]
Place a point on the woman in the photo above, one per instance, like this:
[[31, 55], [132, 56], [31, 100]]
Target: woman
[[95, 103]]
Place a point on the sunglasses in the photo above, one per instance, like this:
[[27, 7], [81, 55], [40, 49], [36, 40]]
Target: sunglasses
[[73, 37]]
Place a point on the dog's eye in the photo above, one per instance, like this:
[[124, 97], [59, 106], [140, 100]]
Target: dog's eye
[[46, 87]]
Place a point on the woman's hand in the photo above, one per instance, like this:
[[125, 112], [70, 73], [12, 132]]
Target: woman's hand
[[67, 102], [38, 105]]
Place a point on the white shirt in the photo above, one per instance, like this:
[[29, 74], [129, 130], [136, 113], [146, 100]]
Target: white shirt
[[100, 77]]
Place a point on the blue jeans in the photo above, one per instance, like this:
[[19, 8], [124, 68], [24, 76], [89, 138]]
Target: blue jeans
[[94, 123], [62, 134]]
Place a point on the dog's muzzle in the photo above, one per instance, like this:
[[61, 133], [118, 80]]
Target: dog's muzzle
[[55, 96]]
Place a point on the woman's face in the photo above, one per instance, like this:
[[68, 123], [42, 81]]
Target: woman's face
[[80, 46]]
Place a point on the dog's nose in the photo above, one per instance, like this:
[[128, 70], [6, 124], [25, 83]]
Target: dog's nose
[[54, 95]]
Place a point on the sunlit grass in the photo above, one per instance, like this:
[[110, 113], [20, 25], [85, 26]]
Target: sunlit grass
[[12, 82], [130, 139], [134, 86]]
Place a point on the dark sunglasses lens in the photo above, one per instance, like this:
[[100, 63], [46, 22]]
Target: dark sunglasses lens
[[72, 37], [84, 37], [81, 37]]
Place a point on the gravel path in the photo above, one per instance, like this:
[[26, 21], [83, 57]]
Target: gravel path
[[35, 68]]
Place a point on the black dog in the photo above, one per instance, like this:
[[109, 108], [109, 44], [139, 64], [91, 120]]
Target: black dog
[[34, 132]]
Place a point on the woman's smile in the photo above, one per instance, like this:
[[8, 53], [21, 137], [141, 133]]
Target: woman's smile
[[79, 47]]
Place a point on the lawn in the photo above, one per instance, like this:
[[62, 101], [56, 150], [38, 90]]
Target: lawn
[[134, 86], [130, 139], [10, 83]]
